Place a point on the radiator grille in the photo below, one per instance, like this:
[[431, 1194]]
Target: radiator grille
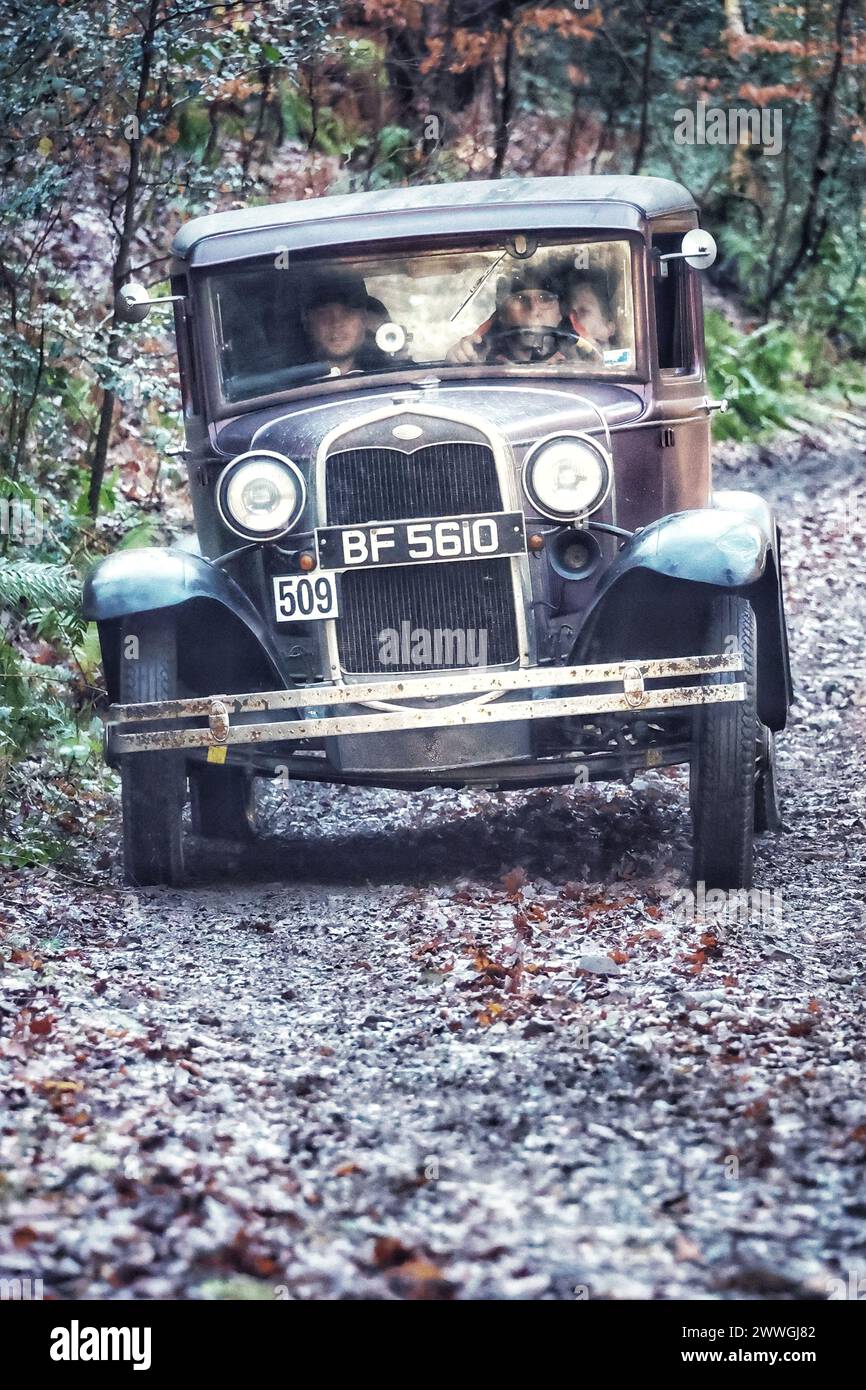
[[470, 598], [385, 484]]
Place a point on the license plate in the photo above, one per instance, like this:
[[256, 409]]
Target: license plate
[[298, 598], [381, 543]]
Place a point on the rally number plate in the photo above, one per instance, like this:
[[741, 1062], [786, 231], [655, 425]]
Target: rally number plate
[[298, 598], [434, 539]]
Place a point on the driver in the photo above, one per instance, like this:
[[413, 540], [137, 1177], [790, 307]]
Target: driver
[[335, 319], [525, 326]]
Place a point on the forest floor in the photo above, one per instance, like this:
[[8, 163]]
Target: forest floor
[[468, 1044]]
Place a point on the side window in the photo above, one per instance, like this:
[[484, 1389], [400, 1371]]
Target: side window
[[675, 347]]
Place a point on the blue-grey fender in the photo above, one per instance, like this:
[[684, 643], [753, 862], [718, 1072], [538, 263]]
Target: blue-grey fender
[[734, 544], [139, 581]]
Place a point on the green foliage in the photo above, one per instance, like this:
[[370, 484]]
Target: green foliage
[[194, 127], [87, 654], [30, 708], [237, 1288], [43, 797], [34, 708], [775, 377], [31, 582], [48, 594], [394, 156], [318, 127], [831, 299], [755, 373]]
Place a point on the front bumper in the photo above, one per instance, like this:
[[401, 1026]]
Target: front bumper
[[390, 712]]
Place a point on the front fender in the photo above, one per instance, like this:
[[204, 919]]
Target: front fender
[[654, 596], [726, 545], [138, 581]]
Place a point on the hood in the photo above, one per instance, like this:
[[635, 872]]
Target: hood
[[522, 413]]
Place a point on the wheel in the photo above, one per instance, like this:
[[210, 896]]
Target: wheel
[[723, 762], [768, 813], [153, 784], [222, 801]]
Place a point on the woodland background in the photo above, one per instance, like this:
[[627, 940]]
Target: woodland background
[[118, 121]]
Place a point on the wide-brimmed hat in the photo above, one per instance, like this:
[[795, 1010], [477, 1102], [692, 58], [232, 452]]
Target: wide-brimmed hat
[[334, 287]]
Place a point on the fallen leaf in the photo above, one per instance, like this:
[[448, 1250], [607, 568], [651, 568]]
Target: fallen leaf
[[490, 1014], [419, 1268], [388, 1252], [513, 881], [25, 958]]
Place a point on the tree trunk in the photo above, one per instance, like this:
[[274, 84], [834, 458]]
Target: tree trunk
[[808, 241], [646, 79], [120, 268], [506, 104]]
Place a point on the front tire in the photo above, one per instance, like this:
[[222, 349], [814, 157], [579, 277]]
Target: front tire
[[723, 763], [153, 784]]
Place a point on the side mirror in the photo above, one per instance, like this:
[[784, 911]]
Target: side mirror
[[699, 250], [133, 303]]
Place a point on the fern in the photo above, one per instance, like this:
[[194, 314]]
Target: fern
[[36, 582], [13, 687], [759, 373], [25, 717]]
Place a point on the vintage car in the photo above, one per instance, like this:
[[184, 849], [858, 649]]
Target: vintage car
[[448, 452]]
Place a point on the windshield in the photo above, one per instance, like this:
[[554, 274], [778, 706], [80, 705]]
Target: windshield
[[562, 308]]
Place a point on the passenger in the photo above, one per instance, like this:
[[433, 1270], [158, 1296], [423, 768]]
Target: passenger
[[524, 328], [587, 311], [335, 320]]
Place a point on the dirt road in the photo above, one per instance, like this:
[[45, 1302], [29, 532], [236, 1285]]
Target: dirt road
[[469, 1044]]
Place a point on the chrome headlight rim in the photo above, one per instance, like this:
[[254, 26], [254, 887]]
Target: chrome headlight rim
[[234, 525], [581, 437]]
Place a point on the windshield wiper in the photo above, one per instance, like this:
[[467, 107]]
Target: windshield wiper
[[477, 286]]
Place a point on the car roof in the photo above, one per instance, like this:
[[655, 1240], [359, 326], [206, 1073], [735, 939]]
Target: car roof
[[607, 200]]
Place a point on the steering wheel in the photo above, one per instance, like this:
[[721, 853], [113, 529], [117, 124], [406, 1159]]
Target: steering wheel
[[583, 344]]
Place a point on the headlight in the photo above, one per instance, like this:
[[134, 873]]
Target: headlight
[[567, 476], [260, 495]]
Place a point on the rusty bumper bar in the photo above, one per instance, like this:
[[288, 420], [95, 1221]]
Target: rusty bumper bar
[[483, 687]]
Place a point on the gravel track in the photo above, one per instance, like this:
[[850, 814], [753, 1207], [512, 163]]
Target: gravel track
[[468, 1044]]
